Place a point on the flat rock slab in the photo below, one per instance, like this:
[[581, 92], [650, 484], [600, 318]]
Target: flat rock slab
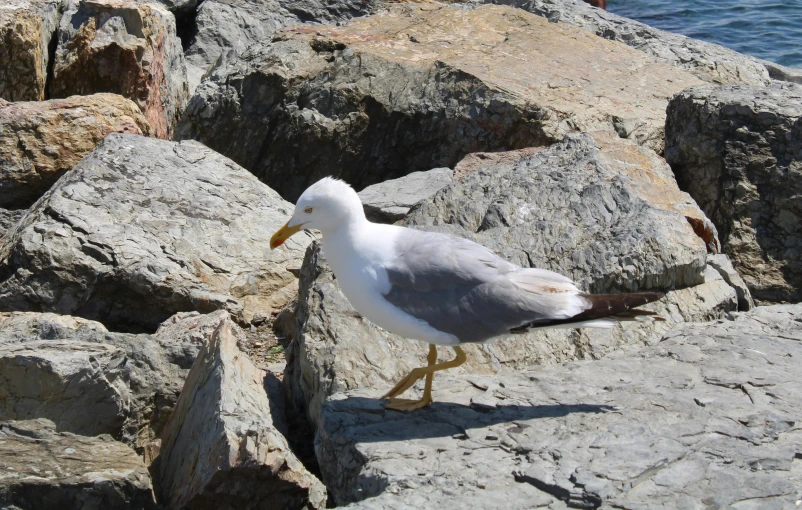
[[90, 381], [419, 87], [26, 28], [124, 48], [42, 468], [222, 448], [390, 201], [738, 151], [144, 228], [40, 140], [708, 417], [707, 61]]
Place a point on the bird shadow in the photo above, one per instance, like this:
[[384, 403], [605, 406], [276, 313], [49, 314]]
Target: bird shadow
[[371, 422]]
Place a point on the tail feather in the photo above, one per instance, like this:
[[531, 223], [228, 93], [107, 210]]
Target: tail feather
[[604, 311]]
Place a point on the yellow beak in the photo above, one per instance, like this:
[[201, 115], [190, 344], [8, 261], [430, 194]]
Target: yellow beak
[[283, 234]]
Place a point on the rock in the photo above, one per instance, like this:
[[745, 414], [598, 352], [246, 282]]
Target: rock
[[144, 228], [390, 201], [230, 26], [781, 73], [124, 48], [333, 348], [26, 30], [723, 265], [611, 218], [40, 140], [477, 160], [9, 218], [708, 62], [221, 449], [383, 96], [738, 151], [704, 418], [42, 468], [90, 381]]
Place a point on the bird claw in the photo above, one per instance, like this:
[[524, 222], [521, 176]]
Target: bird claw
[[405, 405], [403, 385]]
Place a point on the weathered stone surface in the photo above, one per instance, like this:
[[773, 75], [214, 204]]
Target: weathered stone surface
[[384, 95], [90, 381], [611, 217], [40, 140], [708, 417], [221, 449], [124, 48], [709, 62], [9, 218], [26, 29], [477, 160], [226, 28], [738, 151], [144, 228], [42, 468], [723, 265], [390, 201]]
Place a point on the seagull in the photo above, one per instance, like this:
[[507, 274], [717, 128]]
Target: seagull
[[441, 289]]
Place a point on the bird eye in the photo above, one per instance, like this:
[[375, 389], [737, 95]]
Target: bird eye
[[308, 210]]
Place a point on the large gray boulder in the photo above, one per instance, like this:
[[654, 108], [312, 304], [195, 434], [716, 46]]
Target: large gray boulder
[[144, 228], [707, 61], [225, 28], [629, 232], [43, 468], [382, 96], [738, 151], [90, 381], [125, 48], [708, 417], [26, 29], [222, 447]]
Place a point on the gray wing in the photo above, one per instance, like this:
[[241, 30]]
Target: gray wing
[[462, 288]]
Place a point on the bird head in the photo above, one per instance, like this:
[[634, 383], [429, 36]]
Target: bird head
[[324, 206]]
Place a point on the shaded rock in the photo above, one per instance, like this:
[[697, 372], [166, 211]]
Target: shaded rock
[[390, 201], [383, 96], [707, 417], [707, 61], [723, 265], [780, 73], [42, 468], [26, 30], [144, 228], [227, 27], [738, 151], [41, 140], [221, 449], [124, 48], [9, 218], [90, 381]]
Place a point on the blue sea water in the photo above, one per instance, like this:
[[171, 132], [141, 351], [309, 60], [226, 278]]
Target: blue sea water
[[767, 29]]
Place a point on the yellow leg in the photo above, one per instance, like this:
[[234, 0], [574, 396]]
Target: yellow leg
[[419, 373]]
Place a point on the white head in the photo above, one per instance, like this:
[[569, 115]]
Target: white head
[[324, 206]]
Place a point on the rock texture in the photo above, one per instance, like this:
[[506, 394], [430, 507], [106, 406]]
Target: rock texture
[[477, 160], [709, 417], [738, 151], [41, 140], [226, 28], [124, 48], [9, 218], [42, 468], [384, 95], [144, 228], [90, 381], [221, 448], [26, 30], [709, 62], [390, 201]]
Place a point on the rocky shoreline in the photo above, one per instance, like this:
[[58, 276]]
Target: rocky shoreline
[[148, 150]]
